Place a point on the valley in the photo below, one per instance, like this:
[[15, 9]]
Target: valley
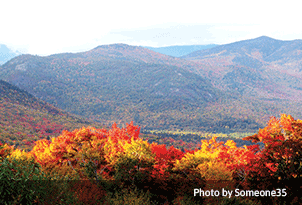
[[131, 119], [225, 89]]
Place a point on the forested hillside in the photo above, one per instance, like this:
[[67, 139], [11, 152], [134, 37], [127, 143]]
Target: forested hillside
[[261, 68], [121, 83], [25, 119], [205, 120]]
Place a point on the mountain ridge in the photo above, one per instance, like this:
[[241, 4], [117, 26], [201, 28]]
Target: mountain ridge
[[267, 58], [237, 46], [178, 51], [120, 83]]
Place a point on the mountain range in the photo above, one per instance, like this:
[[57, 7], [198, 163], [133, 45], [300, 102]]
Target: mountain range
[[178, 51], [227, 88], [262, 67]]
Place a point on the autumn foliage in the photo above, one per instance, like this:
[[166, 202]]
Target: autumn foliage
[[117, 159]]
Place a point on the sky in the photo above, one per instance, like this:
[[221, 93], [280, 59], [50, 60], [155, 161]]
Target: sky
[[45, 27]]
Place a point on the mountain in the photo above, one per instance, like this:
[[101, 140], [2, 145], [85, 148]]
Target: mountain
[[261, 67], [25, 119], [178, 51], [6, 54], [113, 82], [122, 83]]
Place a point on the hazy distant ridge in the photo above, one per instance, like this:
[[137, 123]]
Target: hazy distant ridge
[[178, 51], [6, 54]]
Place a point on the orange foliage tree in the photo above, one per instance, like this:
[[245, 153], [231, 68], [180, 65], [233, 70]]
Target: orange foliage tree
[[120, 158], [279, 164]]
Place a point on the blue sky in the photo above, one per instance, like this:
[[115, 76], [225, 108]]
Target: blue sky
[[48, 27]]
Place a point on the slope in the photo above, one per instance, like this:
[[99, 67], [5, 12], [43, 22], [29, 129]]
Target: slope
[[120, 83], [260, 68], [25, 119]]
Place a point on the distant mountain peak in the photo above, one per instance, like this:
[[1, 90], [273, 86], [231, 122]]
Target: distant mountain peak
[[118, 46], [265, 38], [178, 51], [264, 44], [127, 52]]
